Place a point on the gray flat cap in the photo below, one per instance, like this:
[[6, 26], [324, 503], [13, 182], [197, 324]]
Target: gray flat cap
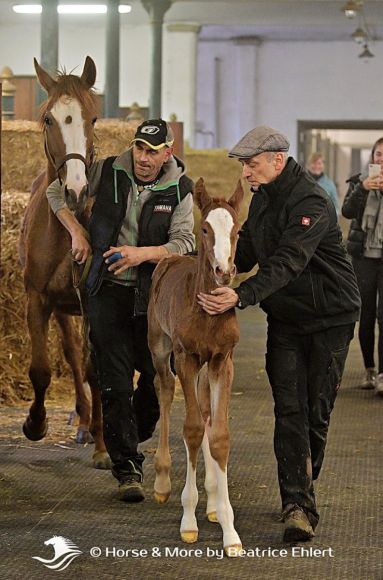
[[260, 140]]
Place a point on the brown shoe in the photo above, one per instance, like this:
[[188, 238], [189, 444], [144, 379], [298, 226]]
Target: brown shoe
[[297, 525], [131, 490]]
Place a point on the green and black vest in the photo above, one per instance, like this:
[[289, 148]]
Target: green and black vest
[[108, 214]]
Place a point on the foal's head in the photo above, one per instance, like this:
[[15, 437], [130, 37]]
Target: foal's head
[[68, 117], [219, 230]]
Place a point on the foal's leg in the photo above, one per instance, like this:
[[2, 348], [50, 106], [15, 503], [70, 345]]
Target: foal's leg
[[187, 367], [161, 347], [220, 379], [35, 426], [210, 474], [72, 347]]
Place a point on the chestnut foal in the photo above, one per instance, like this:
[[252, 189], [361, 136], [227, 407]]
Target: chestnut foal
[[203, 348]]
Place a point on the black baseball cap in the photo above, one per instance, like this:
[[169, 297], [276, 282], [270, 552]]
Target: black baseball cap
[[156, 133]]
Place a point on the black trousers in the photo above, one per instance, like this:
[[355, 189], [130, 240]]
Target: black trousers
[[120, 346], [305, 372], [369, 273]]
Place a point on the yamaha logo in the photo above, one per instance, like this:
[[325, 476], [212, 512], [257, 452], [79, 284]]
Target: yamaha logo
[[150, 129]]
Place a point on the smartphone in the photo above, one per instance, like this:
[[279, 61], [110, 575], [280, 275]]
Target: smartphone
[[374, 170]]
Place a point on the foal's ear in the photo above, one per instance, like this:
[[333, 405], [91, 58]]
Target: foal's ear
[[45, 78], [201, 196], [88, 76], [237, 197]]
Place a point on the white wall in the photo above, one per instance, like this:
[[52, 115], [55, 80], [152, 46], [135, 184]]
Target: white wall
[[239, 83], [296, 80]]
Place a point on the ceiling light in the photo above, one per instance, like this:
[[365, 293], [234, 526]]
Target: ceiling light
[[124, 8], [27, 8], [359, 35], [351, 8], [366, 53], [70, 8]]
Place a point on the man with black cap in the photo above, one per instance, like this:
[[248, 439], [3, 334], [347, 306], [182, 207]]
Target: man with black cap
[[306, 285], [143, 211]]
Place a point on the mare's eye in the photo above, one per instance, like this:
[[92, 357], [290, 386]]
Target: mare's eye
[[94, 120], [48, 121]]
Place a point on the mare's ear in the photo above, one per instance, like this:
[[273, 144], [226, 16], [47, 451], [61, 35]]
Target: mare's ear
[[237, 197], [45, 78], [88, 76], [201, 196]]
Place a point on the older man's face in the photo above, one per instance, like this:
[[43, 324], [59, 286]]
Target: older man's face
[[262, 168]]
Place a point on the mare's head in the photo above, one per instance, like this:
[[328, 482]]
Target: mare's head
[[219, 230], [68, 117]]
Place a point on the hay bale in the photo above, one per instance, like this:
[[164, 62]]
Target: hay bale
[[23, 149]]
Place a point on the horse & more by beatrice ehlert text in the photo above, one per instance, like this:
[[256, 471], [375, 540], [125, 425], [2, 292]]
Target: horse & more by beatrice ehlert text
[[203, 349], [67, 117]]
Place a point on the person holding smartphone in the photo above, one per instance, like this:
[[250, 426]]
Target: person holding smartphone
[[363, 204]]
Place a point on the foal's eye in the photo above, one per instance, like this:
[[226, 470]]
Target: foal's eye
[[204, 231], [48, 121], [94, 120]]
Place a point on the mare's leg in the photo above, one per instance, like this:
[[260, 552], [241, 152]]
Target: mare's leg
[[101, 459], [164, 381], [72, 347], [220, 380], [38, 312], [187, 367], [210, 474]]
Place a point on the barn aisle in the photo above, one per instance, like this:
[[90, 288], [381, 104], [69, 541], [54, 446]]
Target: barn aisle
[[50, 489]]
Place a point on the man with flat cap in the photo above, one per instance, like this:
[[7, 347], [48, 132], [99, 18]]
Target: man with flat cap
[[306, 285], [143, 211]]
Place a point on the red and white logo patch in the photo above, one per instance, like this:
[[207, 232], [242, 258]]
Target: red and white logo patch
[[305, 221]]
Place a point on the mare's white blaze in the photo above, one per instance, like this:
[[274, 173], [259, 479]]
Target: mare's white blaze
[[74, 139], [222, 223]]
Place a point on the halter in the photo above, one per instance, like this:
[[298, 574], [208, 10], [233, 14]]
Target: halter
[[57, 166]]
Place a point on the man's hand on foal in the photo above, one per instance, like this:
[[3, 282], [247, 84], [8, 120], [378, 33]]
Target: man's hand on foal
[[219, 300]]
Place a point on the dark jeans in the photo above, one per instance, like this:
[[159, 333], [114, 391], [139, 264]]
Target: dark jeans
[[369, 273], [305, 372], [120, 347]]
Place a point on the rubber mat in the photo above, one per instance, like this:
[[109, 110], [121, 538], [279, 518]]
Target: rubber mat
[[50, 489]]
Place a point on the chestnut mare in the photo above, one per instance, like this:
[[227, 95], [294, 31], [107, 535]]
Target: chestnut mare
[[203, 348], [68, 118]]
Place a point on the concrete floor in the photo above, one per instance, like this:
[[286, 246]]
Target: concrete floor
[[49, 488]]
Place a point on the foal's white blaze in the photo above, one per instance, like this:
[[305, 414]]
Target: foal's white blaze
[[222, 223], [74, 138]]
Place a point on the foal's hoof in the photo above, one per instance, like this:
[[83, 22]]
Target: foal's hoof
[[161, 497], [83, 436], [212, 517], [101, 460], [189, 537], [233, 551], [31, 432]]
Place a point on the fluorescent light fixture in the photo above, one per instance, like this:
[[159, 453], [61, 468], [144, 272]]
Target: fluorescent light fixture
[[124, 8], [27, 8], [70, 8]]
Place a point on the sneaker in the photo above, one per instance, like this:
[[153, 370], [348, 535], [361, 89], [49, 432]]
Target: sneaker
[[370, 379], [379, 385], [130, 489], [297, 525]]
